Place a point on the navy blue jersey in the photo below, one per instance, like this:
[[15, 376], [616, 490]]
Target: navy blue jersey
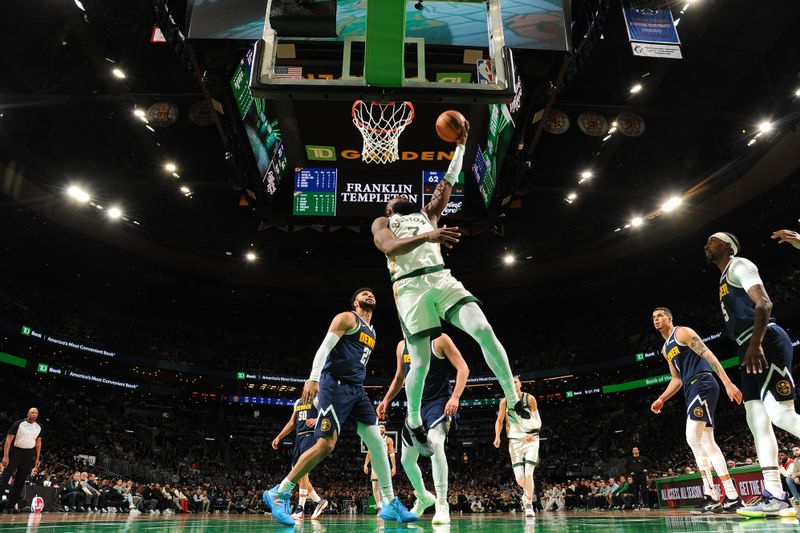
[[686, 361], [347, 362], [737, 307], [437, 382], [303, 412]]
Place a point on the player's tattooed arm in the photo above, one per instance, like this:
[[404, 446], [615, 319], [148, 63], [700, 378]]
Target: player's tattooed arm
[[439, 200], [700, 348]]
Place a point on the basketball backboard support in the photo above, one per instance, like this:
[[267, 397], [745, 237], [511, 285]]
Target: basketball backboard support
[[499, 89]]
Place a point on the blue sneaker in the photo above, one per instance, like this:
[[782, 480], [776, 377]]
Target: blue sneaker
[[397, 511], [279, 503]]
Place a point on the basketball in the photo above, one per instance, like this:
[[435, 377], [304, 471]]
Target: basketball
[[450, 125]]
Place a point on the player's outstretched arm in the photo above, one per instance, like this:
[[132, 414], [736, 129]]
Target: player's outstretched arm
[[386, 242], [673, 387], [689, 337], [397, 382], [445, 346], [441, 196], [787, 235]]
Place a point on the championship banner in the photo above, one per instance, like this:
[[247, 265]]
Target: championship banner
[[651, 29], [687, 490]]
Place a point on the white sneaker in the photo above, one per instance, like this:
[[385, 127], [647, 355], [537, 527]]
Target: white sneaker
[[529, 512], [442, 515], [422, 502]]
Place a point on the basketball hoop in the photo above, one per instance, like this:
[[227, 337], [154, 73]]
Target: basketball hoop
[[380, 126]]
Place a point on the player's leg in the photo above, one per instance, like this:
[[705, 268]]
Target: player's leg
[[783, 415], [766, 445], [518, 466], [409, 460], [470, 319], [308, 461], [694, 438], [302, 496], [420, 350], [441, 471], [779, 392], [367, 427], [376, 490], [531, 459], [714, 455]]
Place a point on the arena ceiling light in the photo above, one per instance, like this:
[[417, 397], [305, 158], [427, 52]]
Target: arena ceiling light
[[797, 93], [509, 259], [572, 196], [637, 221], [118, 73], [671, 204], [170, 166], [751, 142], [115, 213], [140, 114], [80, 5], [250, 256], [636, 88], [78, 193], [586, 175], [765, 127]]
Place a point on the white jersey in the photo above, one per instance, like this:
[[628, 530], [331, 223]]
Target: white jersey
[[424, 256], [533, 425]]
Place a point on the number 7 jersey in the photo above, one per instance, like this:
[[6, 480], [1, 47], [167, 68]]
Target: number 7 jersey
[[423, 256], [348, 360]]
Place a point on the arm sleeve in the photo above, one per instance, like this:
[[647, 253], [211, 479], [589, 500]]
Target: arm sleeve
[[451, 176], [14, 427], [321, 356], [744, 273]]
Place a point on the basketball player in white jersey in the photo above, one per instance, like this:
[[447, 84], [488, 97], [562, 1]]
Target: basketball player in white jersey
[[523, 444], [376, 490], [426, 293]]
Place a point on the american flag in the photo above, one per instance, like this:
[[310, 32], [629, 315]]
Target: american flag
[[288, 72]]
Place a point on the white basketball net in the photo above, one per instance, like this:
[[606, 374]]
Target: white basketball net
[[380, 126]]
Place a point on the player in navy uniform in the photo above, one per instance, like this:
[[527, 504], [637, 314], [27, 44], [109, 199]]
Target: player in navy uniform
[[439, 403], [690, 364], [302, 421], [765, 354], [337, 379]]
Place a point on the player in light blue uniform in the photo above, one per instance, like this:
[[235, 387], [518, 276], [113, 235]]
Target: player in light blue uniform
[[690, 364], [337, 379], [765, 353]]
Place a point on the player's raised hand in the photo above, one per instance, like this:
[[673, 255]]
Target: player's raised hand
[[734, 393], [787, 235], [444, 235], [463, 138], [275, 443], [754, 361], [310, 391], [657, 406]]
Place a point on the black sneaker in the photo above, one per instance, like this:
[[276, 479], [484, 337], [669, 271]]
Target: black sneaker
[[522, 410], [419, 439], [730, 506], [709, 505]]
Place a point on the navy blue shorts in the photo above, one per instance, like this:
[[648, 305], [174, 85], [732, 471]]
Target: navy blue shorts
[[433, 413], [701, 392], [302, 442], [777, 377], [339, 401]]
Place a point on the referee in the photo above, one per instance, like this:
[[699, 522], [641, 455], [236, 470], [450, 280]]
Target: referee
[[21, 454]]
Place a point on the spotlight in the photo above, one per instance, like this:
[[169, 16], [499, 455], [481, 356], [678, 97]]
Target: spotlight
[[572, 196], [185, 189], [636, 88], [797, 93], [78, 193], [170, 167], [751, 142], [118, 73], [114, 213], [671, 204], [765, 127], [508, 259], [636, 221], [587, 174], [139, 113], [80, 5], [250, 256]]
